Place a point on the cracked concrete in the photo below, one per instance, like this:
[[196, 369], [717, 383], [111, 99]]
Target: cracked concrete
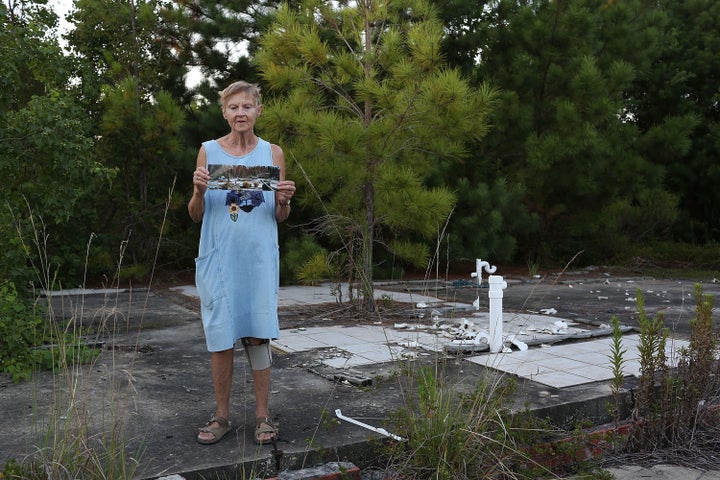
[[152, 376]]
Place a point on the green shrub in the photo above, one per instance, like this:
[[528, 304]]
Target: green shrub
[[21, 329], [297, 257], [28, 343]]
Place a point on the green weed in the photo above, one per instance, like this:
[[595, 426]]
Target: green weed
[[672, 405]]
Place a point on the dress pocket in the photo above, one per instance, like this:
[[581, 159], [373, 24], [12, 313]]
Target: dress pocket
[[207, 279]]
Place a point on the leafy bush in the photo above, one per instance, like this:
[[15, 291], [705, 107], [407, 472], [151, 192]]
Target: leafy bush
[[28, 343], [300, 261], [21, 329]]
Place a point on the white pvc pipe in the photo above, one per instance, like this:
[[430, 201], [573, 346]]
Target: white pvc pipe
[[495, 294], [381, 431], [479, 265]]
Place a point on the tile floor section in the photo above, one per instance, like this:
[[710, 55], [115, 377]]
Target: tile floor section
[[574, 363], [558, 366]]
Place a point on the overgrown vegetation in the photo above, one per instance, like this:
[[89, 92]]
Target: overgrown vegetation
[[29, 343], [79, 431], [617, 360], [675, 412], [458, 436], [462, 436], [673, 405], [73, 441]]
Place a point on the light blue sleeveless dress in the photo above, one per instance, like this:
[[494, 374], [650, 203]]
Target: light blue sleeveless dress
[[238, 265]]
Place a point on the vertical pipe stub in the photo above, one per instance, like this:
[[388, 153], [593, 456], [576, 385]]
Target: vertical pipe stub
[[495, 295]]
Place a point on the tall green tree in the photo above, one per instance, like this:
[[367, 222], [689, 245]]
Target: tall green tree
[[565, 130], [682, 85], [365, 105], [117, 39], [45, 152], [140, 137], [129, 75], [219, 39]]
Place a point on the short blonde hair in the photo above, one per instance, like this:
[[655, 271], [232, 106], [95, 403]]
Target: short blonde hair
[[239, 86]]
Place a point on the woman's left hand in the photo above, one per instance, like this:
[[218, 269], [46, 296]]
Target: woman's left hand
[[284, 191]]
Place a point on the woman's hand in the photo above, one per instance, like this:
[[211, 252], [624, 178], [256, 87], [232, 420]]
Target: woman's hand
[[200, 179], [284, 192]]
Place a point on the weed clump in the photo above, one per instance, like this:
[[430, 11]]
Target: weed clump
[[453, 435], [675, 414]]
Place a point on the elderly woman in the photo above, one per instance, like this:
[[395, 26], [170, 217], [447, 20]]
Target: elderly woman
[[237, 268]]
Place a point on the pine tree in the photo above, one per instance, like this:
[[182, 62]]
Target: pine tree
[[680, 92], [126, 60], [565, 130], [365, 104]]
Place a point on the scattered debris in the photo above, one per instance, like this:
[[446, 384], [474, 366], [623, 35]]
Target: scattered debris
[[522, 346], [357, 381]]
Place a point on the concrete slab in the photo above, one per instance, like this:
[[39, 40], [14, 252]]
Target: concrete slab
[[151, 382], [661, 472]]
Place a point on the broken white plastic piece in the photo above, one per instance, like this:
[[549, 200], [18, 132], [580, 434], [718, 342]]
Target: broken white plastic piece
[[481, 337], [548, 311], [381, 431], [465, 324], [522, 346]]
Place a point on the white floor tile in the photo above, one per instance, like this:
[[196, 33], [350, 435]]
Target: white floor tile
[[562, 364], [363, 348], [557, 366], [297, 344], [595, 373], [593, 358], [380, 356], [529, 370], [631, 368], [559, 379], [498, 361], [343, 363], [534, 354]]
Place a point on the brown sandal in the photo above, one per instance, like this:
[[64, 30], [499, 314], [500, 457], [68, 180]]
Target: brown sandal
[[264, 426], [218, 432]]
